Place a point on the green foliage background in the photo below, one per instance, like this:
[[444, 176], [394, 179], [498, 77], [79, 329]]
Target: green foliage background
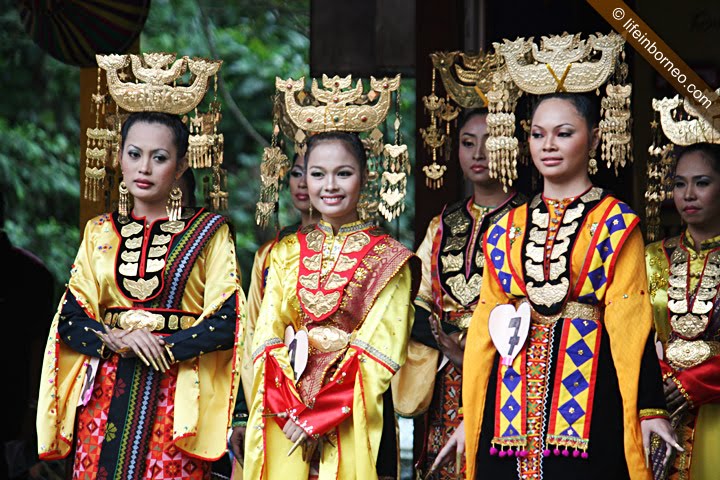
[[39, 116]]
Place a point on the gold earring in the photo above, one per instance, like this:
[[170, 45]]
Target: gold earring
[[174, 204], [123, 200], [592, 164], [310, 212]]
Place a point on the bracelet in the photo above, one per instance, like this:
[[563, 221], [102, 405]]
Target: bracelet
[[648, 413], [170, 354]]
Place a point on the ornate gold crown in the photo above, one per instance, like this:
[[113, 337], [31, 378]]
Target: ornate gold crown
[[338, 106], [466, 79], [677, 123], [154, 82], [561, 63]]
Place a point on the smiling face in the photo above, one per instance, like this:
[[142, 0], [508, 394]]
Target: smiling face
[[334, 180], [150, 165], [696, 191], [298, 185], [560, 141], [472, 152]]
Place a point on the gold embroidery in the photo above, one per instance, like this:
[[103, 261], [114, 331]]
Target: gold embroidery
[[558, 268], [129, 256], [535, 253], [335, 281], [451, 263], [172, 226], [685, 354], [560, 248], [128, 269], [157, 251], [315, 240], [356, 242], [186, 322], [455, 243], [540, 219], [345, 263], [566, 231], [131, 229], [310, 281], [463, 290], [537, 236], [132, 243], [361, 273], [312, 262], [457, 222], [689, 325], [155, 265], [548, 294], [141, 289], [173, 322], [572, 214], [480, 258], [318, 303], [534, 271], [593, 195], [571, 310], [161, 239]]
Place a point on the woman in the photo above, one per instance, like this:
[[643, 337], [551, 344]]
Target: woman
[[577, 383], [343, 289], [684, 276], [301, 201], [144, 345], [452, 269]]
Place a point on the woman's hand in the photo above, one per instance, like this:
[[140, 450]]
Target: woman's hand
[[454, 448], [662, 428], [237, 444], [676, 401], [450, 345]]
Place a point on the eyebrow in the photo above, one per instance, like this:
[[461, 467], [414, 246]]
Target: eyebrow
[[153, 151], [695, 177]]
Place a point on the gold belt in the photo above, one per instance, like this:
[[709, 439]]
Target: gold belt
[[571, 310], [328, 339], [153, 321], [688, 353]]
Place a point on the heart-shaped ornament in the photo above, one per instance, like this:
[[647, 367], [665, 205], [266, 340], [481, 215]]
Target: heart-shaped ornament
[[298, 348], [509, 329]]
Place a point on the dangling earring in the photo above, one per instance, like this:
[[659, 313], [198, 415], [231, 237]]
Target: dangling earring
[[592, 164], [174, 204], [310, 212], [123, 200]]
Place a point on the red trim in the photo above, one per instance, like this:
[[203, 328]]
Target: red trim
[[498, 399], [618, 247], [363, 351], [520, 279], [590, 254]]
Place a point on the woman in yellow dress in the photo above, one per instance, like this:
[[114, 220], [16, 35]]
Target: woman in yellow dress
[[343, 289], [684, 276], [576, 390]]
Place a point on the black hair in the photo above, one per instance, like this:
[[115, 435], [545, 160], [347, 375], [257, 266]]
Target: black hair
[[585, 105], [189, 178], [467, 114], [351, 140], [180, 132], [710, 151], [2, 209]]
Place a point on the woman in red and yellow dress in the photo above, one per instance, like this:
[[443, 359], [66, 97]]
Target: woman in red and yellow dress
[[564, 299], [141, 364], [344, 289], [684, 276], [452, 271]]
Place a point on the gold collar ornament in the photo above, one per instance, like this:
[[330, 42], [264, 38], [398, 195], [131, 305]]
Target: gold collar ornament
[[154, 81], [339, 106], [677, 123], [466, 79], [561, 63]]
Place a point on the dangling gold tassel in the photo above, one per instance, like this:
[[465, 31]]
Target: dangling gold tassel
[[123, 200], [592, 164], [174, 204]]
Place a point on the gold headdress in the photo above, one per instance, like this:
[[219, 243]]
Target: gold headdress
[[467, 79], [154, 82], [677, 124], [339, 106], [561, 63]]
